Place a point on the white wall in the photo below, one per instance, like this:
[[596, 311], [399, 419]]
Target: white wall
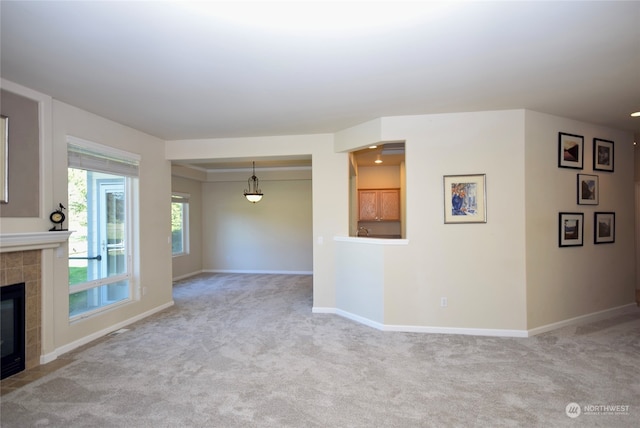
[[272, 236], [191, 263], [568, 282]]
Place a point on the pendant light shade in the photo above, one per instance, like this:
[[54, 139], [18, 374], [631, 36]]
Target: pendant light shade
[[253, 193]]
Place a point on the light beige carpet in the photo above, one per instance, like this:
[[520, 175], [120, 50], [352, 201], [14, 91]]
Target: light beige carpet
[[246, 351]]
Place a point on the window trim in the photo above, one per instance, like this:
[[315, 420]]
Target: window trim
[[126, 165], [183, 198]]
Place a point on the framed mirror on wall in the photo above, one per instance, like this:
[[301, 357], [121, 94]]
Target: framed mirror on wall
[[4, 159]]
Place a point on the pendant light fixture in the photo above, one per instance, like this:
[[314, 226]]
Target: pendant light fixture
[[253, 194]]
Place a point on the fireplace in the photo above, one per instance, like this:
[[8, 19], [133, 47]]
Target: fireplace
[[12, 329], [25, 267], [27, 257]]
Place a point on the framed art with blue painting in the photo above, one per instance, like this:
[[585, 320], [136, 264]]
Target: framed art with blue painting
[[571, 228], [570, 150], [465, 198]]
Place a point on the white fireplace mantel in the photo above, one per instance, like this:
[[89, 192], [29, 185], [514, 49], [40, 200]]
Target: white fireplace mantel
[[32, 240]]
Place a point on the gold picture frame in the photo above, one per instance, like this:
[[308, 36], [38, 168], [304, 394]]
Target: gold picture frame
[[465, 198]]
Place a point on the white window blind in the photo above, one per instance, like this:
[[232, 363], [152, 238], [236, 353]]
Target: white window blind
[[95, 157], [181, 198]]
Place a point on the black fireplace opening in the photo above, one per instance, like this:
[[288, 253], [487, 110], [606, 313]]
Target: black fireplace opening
[[12, 327]]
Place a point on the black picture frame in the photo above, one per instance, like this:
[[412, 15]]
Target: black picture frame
[[570, 150], [570, 229], [604, 227], [603, 155], [588, 189]]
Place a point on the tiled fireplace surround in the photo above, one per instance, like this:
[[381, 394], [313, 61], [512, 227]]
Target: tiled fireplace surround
[[24, 266], [22, 258]]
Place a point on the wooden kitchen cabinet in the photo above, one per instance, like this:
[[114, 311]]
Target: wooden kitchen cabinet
[[379, 205]]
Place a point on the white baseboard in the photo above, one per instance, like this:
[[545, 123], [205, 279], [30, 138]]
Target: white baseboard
[[495, 332], [360, 319], [428, 329], [47, 358], [267, 272], [323, 310], [596, 316], [583, 319], [188, 275]]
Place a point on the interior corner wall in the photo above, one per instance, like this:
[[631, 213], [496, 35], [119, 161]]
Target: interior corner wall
[[478, 267], [272, 236], [190, 263], [568, 282], [152, 243]]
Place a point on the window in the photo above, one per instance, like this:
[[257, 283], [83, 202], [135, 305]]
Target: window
[[102, 182], [179, 224]]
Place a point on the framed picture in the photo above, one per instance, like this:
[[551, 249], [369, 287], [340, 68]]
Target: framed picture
[[605, 228], [570, 150], [588, 189], [571, 228], [602, 155], [465, 198], [4, 159]]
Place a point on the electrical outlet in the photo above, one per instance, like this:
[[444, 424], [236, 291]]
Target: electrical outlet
[[443, 302]]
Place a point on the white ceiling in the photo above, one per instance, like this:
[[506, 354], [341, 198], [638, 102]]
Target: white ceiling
[[181, 70]]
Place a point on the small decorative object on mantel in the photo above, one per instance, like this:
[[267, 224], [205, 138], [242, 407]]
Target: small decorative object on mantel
[[57, 217]]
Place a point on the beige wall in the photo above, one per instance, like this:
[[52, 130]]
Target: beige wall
[[498, 277], [379, 177], [329, 184], [152, 246], [152, 276], [636, 151], [272, 236], [506, 275], [191, 263], [479, 268], [564, 283]]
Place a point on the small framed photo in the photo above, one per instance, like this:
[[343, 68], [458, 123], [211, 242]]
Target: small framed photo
[[602, 155], [465, 198], [570, 150], [605, 228], [571, 228], [588, 193]]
